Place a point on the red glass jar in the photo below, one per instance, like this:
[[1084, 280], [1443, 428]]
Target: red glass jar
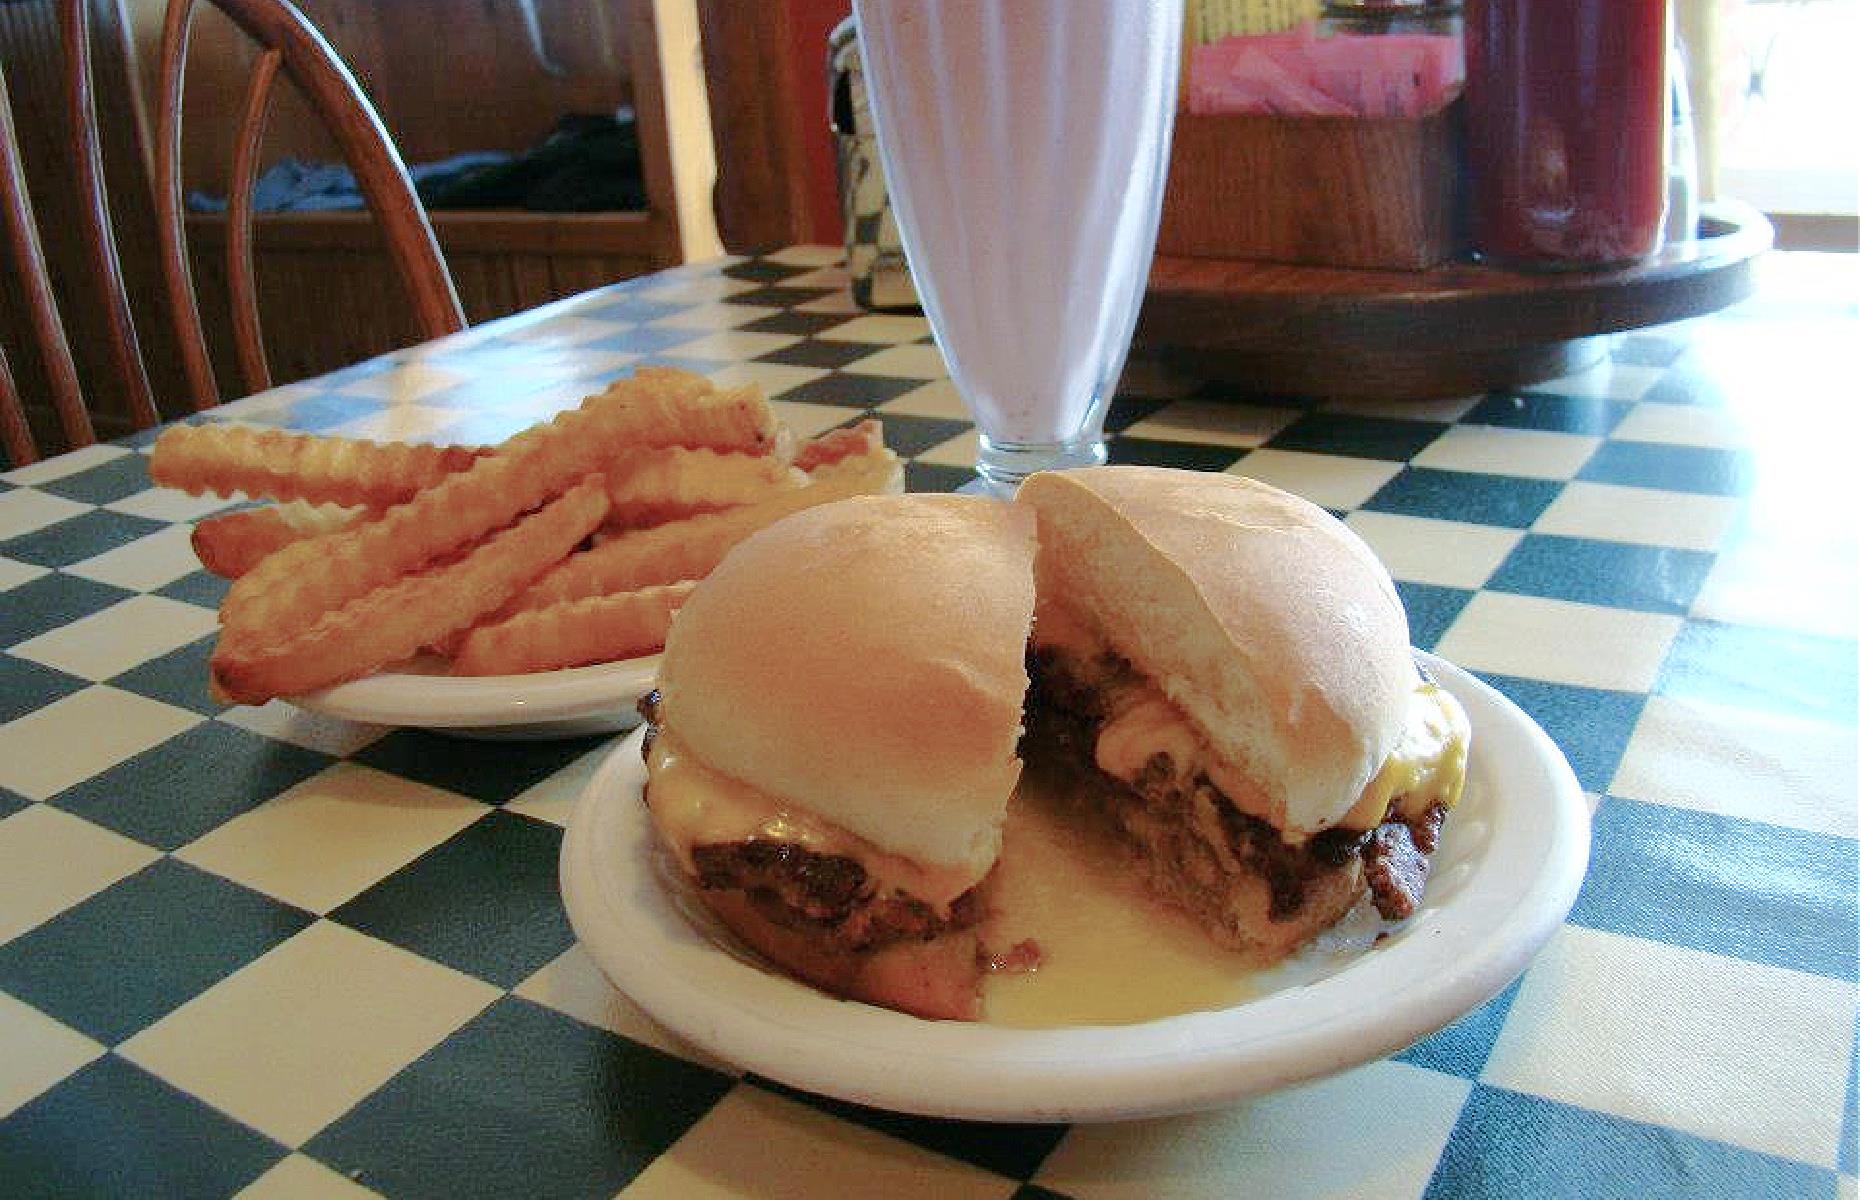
[[1566, 130]]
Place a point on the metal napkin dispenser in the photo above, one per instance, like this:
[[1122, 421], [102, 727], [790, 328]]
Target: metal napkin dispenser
[[881, 279]]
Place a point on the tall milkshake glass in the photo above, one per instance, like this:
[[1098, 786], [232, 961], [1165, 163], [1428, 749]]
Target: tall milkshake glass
[[1024, 145]]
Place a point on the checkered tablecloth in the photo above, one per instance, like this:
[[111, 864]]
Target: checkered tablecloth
[[254, 951]]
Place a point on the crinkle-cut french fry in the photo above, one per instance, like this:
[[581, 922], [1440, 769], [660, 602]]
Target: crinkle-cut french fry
[[688, 549], [648, 487], [574, 633], [668, 406], [229, 459], [392, 622], [290, 589], [867, 437], [231, 544]]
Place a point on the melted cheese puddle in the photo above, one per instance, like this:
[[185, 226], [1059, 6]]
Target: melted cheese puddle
[[1109, 953]]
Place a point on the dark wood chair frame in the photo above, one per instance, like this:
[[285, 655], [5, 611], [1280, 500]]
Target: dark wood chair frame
[[289, 43]]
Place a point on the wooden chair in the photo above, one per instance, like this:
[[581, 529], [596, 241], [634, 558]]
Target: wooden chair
[[288, 43]]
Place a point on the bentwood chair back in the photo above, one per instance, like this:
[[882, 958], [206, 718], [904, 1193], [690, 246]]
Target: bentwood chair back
[[288, 43]]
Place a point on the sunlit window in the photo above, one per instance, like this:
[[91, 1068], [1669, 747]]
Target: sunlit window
[[1790, 99]]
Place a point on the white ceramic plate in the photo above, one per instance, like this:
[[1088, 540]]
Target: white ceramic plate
[[549, 704], [1509, 864]]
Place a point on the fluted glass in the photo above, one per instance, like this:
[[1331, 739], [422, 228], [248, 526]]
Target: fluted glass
[[1025, 144]]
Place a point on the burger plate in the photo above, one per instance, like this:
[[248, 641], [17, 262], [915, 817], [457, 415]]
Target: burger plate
[[548, 704], [1510, 862]]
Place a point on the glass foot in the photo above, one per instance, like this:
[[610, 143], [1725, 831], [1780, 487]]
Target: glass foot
[[1003, 465]]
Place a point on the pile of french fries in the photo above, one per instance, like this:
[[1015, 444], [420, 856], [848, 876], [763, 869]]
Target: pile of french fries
[[573, 542]]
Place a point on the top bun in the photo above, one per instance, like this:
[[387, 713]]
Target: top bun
[[1267, 622], [865, 661]]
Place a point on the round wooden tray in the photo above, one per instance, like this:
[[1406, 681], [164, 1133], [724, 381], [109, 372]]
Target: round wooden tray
[[1454, 330]]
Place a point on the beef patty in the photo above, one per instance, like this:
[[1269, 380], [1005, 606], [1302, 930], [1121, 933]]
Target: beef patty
[[1068, 706]]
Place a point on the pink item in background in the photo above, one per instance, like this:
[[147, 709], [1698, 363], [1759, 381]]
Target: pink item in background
[[1253, 81], [1298, 73]]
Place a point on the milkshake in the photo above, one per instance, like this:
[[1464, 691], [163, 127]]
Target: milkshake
[[1025, 144]]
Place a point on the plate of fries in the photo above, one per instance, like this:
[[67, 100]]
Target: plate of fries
[[527, 585]]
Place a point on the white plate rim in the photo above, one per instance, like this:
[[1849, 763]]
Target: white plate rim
[[1445, 962], [410, 698]]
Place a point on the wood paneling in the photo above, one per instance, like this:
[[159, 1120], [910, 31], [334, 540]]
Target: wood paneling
[[809, 24], [446, 75], [766, 66], [759, 197], [450, 76], [328, 297]]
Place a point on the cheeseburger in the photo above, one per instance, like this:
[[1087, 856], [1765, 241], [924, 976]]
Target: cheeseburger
[[1221, 670], [1227, 669], [832, 742]]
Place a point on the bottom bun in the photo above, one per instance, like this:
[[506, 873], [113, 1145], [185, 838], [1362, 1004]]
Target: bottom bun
[[940, 978]]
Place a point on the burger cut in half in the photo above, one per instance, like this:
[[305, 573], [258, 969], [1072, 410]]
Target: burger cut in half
[[832, 742], [1220, 671], [1226, 667]]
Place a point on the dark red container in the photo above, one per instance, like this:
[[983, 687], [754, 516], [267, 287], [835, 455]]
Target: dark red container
[[1566, 110]]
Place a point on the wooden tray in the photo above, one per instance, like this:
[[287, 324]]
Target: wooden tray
[[1454, 330]]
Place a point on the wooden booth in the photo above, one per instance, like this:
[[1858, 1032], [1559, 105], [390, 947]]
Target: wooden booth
[[448, 76]]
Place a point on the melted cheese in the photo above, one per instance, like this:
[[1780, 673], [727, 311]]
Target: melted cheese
[[1109, 953], [693, 805], [1426, 767], [1141, 728], [1142, 722]]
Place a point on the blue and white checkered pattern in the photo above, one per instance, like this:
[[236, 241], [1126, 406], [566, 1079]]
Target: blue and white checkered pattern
[[258, 951]]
